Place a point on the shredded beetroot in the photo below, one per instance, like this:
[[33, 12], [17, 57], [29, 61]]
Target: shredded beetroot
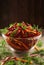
[[25, 30]]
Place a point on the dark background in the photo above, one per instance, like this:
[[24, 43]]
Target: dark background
[[31, 11]]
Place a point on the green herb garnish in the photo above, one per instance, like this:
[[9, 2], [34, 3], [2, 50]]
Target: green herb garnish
[[3, 30], [10, 62], [38, 60], [24, 27], [39, 44], [3, 50], [19, 24], [41, 52], [14, 32], [10, 25], [37, 28], [19, 63]]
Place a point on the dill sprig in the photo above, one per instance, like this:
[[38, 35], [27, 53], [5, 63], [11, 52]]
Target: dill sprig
[[37, 28], [39, 44]]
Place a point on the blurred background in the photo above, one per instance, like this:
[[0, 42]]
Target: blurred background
[[31, 11]]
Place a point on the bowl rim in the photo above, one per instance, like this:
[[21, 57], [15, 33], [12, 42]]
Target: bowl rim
[[35, 37]]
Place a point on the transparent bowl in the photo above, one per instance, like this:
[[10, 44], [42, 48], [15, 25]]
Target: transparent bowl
[[21, 44]]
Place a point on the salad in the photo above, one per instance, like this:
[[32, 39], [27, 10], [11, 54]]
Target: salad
[[22, 36], [22, 30]]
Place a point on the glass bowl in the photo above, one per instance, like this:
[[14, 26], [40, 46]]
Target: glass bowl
[[21, 44]]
